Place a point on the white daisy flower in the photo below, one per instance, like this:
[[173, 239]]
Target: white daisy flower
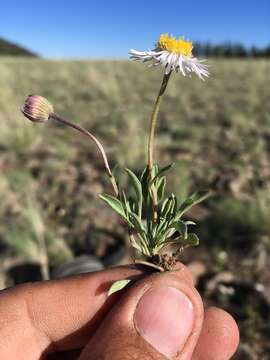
[[174, 54]]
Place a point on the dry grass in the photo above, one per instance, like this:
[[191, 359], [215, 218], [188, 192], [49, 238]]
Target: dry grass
[[217, 131]]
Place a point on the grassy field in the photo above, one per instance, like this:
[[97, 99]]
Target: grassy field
[[217, 132]]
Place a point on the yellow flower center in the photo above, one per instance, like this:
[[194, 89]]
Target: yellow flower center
[[177, 46]]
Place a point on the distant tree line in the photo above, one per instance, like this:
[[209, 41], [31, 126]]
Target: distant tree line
[[230, 50], [11, 49], [226, 50]]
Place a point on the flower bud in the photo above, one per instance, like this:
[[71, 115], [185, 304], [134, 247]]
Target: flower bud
[[36, 108]]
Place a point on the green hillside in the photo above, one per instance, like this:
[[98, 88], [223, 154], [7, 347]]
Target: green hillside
[[11, 49]]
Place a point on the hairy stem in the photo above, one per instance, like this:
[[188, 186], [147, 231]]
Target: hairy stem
[[153, 121], [96, 141], [151, 139]]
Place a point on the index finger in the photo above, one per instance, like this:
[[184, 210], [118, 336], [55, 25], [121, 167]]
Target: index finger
[[60, 314]]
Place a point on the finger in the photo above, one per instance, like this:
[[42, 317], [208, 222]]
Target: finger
[[180, 270], [219, 337], [159, 317], [62, 312]]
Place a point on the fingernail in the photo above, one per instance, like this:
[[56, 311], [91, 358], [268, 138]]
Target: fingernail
[[164, 318]]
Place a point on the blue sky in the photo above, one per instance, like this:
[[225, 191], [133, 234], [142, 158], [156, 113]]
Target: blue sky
[[103, 28]]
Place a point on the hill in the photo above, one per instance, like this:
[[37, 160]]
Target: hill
[[9, 48]]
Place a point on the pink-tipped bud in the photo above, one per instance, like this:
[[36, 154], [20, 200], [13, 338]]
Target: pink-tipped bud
[[36, 108]]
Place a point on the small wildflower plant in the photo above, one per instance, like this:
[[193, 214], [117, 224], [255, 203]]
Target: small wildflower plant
[[154, 221]]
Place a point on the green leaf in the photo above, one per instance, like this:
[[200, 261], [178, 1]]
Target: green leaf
[[171, 213], [168, 207], [144, 174], [125, 203], [137, 223], [137, 187], [161, 188], [181, 227], [175, 207], [128, 205], [144, 183], [165, 206], [114, 203], [190, 222], [192, 240], [161, 172], [194, 199], [117, 286], [154, 171], [163, 224]]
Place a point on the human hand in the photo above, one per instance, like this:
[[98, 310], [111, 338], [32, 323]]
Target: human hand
[[159, 317]]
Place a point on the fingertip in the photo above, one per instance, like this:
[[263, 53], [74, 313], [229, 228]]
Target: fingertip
[[219, 337], [230, 331]]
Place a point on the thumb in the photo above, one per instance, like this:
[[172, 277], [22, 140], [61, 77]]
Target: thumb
[[159, 317]]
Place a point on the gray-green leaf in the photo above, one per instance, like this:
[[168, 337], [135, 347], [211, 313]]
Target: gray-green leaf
[[181, 227], [117, 286], [137, 222], [168, 207], [137, 186], [194, 199], [192, 240], [161, 172], [161, 188], [114, 203]]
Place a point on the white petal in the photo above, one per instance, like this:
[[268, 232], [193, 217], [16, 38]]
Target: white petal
[[164, 58], [136, 52], [195, 65], [181, 67], [169, 64], [142, 55], [174, 61], [171, 61]]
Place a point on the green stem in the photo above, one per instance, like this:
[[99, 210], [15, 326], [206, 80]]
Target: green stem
[[153, 121], [96, 141], [153, 125]]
